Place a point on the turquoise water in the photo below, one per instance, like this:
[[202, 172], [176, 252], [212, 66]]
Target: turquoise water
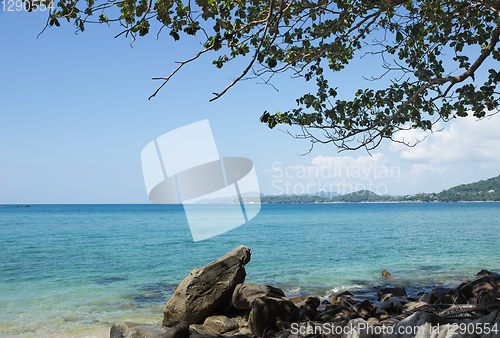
[[70, 268]]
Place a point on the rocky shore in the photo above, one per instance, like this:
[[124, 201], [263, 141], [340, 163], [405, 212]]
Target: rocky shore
[[213, 301]]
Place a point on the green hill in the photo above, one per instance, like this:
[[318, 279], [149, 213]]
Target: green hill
[[485, 190]]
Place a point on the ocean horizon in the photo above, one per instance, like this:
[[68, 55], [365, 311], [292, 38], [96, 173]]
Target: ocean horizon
[[73, 269]]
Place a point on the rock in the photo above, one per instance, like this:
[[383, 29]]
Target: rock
[[136, 330], [412, 306], [435, 294], [373, 320], [269, 311], [341, 301], [220, 324], [397, 292], [385, 297], [180, 330], [483, 273], [202, 330], [394, 304], [308, 308], [466, 288], [482, 289], [246, 335], [365, 309], [205, 288], [452, 298], [245, 294], [338, 315], [386, 274]]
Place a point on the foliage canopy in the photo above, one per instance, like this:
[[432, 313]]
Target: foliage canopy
[[431, 50]]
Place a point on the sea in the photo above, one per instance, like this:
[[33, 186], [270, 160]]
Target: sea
[[74, 270]]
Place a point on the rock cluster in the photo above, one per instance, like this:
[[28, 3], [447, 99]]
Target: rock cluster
[[213, 301]]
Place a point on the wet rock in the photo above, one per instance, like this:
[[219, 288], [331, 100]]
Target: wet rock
[[452, 298], [394, 305], [220, 324], [373, 320], [202, 330], [338, 315], [268, 312], [435, 294], [308, 308], [386, 297], [136, 330], [206, 288], [386, 274], [483, 273], [365, 309], [180, 330], [245, 294], [482, 289], [341, 301], [467, 287], [397, 292], [412, 306]]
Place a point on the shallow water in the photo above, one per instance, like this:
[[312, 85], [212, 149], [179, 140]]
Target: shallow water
[[65, 269]]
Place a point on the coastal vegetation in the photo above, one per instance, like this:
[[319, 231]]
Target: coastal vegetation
[[485, 190]]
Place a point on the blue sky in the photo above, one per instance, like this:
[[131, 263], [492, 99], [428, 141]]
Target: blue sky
[[74, 117]]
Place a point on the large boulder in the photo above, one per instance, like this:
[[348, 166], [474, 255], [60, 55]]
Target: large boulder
[[206, 288], [267, 312], [245, 294]]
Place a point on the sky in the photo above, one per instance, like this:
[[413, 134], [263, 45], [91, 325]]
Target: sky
[[75, 116]]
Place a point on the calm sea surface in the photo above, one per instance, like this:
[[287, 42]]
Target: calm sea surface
[[74, 268]]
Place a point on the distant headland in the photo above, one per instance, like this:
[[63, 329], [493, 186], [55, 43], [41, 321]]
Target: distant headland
[[482, 191]]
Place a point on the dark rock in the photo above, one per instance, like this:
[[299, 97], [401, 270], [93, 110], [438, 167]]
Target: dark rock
[[245, 294], [220, 324], [345, 293], [285, 334], [206, 288], [394, 305], [467, 287], [308, 308], [338, 314], [435, 294], [397, 292], [482, 289], [269, 311], [269, 333], [202, 330], [483, 273], [386, 297], [365, 309], [341, 301], [249, 335], [180, 330], [412, 306], [452, 298], [136, 330]]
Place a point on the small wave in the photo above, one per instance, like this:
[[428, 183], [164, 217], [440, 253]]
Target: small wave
[[338, 289]]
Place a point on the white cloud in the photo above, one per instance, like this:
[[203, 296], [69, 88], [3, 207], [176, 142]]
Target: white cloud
[[425, 172], [461, 140]]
